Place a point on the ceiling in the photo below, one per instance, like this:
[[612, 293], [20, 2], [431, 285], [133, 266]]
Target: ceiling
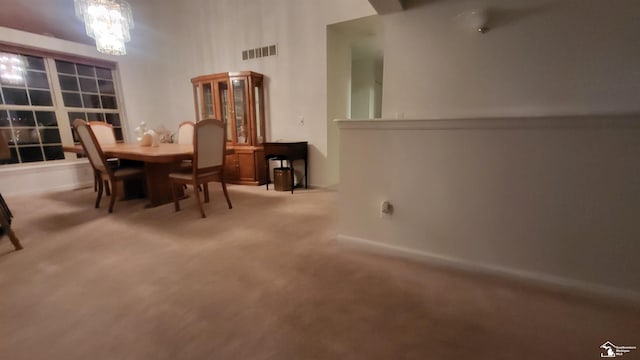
[[40, 17], [59, 21]]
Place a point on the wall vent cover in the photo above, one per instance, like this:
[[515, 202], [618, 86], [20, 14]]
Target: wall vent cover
[[259, 52]]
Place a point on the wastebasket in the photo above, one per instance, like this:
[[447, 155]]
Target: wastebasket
[[282, 178]]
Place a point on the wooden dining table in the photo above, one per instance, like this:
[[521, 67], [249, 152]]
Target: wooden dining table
[[158, 163]]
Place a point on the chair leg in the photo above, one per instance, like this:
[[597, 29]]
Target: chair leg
[[12, 236], [99, 196], [226, 194], [205, 186], [14, 239], [197, 195], [114, 195], [107, 189], [96, 180], [291, 175], [176, 201]]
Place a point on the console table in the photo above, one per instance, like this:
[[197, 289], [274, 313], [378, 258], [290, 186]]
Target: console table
[[289, 151]]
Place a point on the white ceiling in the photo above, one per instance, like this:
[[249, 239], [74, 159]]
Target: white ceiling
[[55, 18]]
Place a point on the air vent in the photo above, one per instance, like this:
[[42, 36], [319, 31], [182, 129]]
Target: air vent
[[259, 52]]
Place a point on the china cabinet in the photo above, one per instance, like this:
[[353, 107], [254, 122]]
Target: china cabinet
[[237, 98]]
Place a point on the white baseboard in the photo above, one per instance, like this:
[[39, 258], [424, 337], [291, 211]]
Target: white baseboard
[[533, 278]]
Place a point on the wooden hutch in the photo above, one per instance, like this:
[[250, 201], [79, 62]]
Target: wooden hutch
[[237, 98]]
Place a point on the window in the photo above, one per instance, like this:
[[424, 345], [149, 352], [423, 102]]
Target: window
[[40, 96]]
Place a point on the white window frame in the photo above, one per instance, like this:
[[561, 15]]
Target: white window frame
[[58, 107]]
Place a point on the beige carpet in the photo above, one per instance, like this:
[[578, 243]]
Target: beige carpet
[[262, 281]]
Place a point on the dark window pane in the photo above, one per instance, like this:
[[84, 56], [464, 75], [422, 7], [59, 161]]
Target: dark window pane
[[68, 82], [46, 118], [91, 101], [113, 119], [40, 97], [103, 73], [37, 80], [95, 116], [14, 156], [22, 118], [88, 85], [106, 87], [76, 115], [71, 99], [34, 63], [65, 67], [4, 119], [15, 96], [30, 154], [50, 136], [109, 102], [53, 152], [118, 132], [86, 70], [26, 136]]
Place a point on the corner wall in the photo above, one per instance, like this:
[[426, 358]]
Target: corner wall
[[552, 199]]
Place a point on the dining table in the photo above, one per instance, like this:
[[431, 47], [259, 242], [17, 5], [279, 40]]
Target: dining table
[[158, 162]]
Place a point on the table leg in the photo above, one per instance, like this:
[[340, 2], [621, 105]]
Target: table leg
[[291, 174], [266, 160], [159, 187], [305, 175]]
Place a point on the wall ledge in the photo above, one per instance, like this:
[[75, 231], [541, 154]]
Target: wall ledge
[[38, 178], [541, 280], [594, 121], [38, 167]]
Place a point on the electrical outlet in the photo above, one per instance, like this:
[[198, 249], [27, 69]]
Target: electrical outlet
[[386, 208]]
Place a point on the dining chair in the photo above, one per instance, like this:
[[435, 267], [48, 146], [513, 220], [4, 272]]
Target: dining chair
[[5, 224], [106, 136], [185, 137], [5, 213], [99, 162], [185, 132], [209, 141]]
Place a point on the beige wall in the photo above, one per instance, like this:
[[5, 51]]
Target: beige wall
[[551, 199], [338, 96], [540, 57]]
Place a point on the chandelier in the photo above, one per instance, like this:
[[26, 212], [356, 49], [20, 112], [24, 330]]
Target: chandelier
[[108, 22]]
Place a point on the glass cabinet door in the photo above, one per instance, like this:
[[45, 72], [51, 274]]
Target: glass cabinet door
[[225, 106], [240, 111], [196, 96], [207, 101], [257, 96]]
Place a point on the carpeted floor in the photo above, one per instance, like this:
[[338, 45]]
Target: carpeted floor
[[263, 281]]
